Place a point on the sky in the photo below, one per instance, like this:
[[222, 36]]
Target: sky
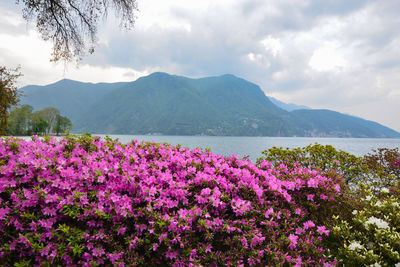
[[327, 54]]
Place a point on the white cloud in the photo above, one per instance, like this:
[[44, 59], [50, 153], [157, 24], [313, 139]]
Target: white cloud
[[10, 17], [33, 54], [342, 55], [272, 45], [328, 58], [254, 57]]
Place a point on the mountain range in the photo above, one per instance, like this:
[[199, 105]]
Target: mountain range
[[175, 105], [286, 106]]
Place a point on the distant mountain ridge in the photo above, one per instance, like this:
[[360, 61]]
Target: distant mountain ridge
[[166, 104], [70, 97], [286, 106]]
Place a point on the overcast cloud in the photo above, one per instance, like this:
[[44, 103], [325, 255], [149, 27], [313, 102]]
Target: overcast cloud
[[337, 54]]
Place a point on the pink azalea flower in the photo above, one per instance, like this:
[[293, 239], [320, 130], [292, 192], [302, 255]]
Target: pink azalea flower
[[293, 241], [322, 230], [308, 224]]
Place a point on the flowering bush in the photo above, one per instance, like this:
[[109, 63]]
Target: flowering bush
[[320, 157], [90, 201], [383, 163], [373, 234]]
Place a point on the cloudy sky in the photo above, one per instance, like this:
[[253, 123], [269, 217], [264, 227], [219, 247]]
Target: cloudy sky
[[334, 54]]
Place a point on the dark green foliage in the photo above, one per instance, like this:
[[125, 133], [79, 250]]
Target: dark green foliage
[[385, 164], [62, 124], [50, 116], [319, 157], [39, 125], [20, 120]]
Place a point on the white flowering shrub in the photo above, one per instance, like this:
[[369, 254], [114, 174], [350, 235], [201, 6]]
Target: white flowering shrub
[[372, 236]]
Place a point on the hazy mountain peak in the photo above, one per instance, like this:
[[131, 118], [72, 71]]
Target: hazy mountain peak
[[228, 75], [286, 106], [66, 81], [159, 75]]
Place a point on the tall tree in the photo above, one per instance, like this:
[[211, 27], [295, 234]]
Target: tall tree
[[50, 116], [9, 94], [72, 24], [20, 120], [39, 125], [62, 125]]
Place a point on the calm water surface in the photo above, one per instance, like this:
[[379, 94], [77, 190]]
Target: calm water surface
[[253, 146]]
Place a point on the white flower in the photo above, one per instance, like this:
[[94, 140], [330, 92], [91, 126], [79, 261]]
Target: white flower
[[368, 198], [378, 203], [355, 245], [381, 224], [385, 190], [376, 265], [397, 264], [354, 212]]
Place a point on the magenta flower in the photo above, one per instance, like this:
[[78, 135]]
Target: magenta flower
[[312, 183], [269, 212], [322, 230], [308, 224], [98, 201], [293, 241], [4, 212]]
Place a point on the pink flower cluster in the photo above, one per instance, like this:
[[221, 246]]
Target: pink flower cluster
[[397, 163], [85, 201]]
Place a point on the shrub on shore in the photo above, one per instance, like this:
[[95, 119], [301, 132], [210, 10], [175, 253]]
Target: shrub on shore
[[89, 201], [371, 235]]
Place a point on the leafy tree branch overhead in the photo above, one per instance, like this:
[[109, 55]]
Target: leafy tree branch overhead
[[72, 24]]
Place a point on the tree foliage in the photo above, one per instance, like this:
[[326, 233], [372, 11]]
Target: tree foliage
[[23, 121], [385, 161], [20, 120], [49, 115], [319, 157], [62, 124], [72, 24], [378, 169], [370, 235], [9, 94]]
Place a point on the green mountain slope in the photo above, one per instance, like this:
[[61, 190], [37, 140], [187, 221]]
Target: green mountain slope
[[167, 104], [174, 105], [152, 104], [328, 123], [70, 97]]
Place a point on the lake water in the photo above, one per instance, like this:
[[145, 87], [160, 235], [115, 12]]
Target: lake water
[[253, 146]]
